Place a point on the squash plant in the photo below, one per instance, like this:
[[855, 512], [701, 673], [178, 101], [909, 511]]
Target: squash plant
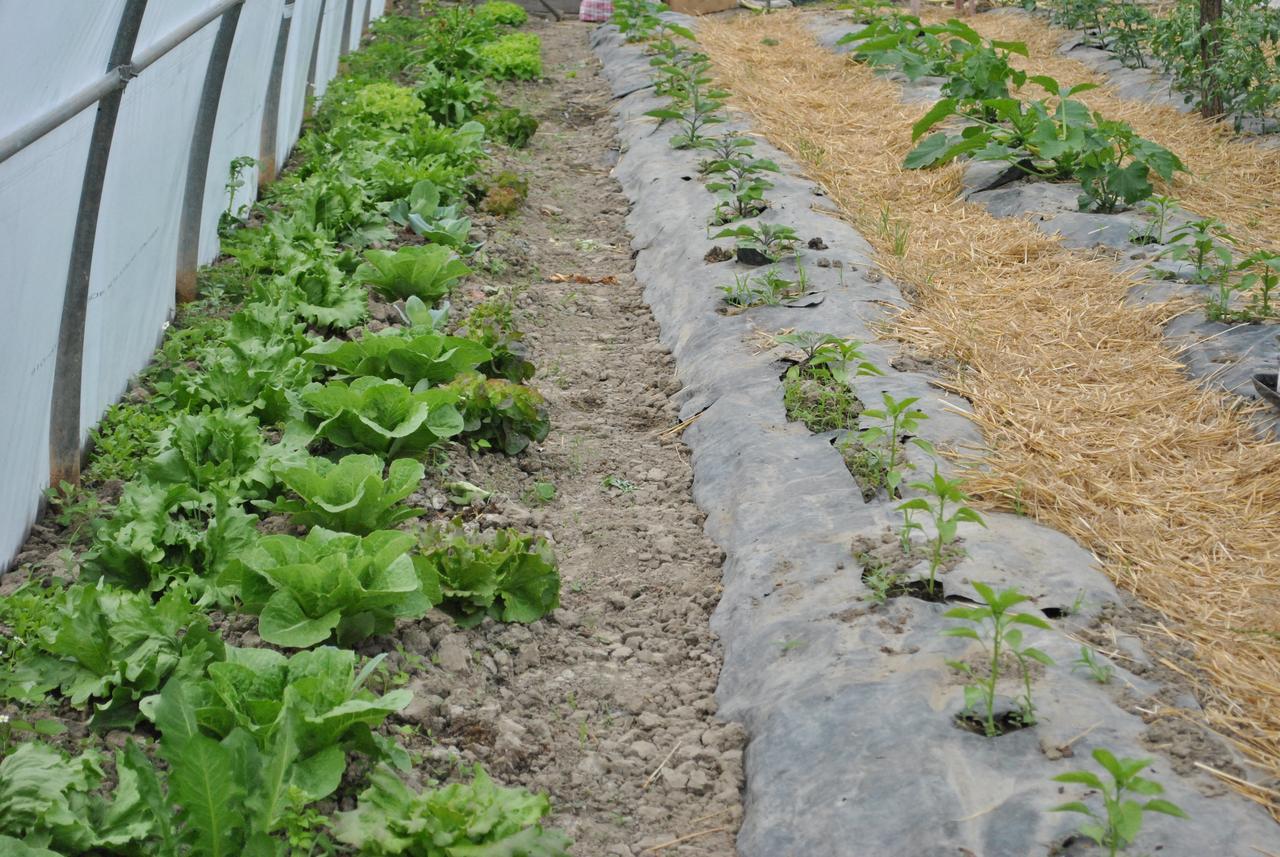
[[1059, 139]]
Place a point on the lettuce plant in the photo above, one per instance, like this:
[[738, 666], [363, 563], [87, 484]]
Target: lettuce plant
[[507, 576], [316, 696], [49, 800], [218, 451], [419, 357], [502, 12], [113, 647], [350, 496], [329, 585], [428, 272], [382, 416], [422, 212], [476, 818], [497, 413], [163, 534], [513, 56]]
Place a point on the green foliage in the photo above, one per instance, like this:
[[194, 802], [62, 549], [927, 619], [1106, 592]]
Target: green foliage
[[513, 56], [694, 107], [1098, 670], [498, 413], [512, 126], [422, 212], [767, 289], [899, 420], [424, 358], [939, 492], [109, 647], [427, 272], [1245, 77], [162, 535], [476, 818], [452, 99], [506, 576], [50, 801], [975, 69], [770, 241], [261, 691], [1120, 820], [350, 496], [122, 440], [329, 586], [502, 12], [816, 389], [737, 182], [998, 634], [381, 416], [1057, 139]]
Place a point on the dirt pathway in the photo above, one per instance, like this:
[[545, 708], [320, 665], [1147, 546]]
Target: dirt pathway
[[609, 706]]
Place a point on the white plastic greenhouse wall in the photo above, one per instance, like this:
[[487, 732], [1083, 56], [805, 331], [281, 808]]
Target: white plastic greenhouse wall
[[54, 51]]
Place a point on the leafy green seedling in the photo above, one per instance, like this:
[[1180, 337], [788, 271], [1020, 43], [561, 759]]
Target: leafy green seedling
[[941, 491], [626, 486], [1120, 820], [898, 418], [1098, 670], [998, 634], [1262, 275], [763, 243], [1207, 244]]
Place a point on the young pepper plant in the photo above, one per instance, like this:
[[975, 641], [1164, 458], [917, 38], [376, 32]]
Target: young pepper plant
[[939, 491], [1120, 820], [997, 623]]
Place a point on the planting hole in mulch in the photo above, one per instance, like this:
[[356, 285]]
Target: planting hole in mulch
[[1005, 721]]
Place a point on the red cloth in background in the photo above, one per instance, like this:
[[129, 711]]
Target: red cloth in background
[[595, 10]]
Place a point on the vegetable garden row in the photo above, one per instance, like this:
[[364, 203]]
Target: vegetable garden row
[[1092, 425], [266, 465]]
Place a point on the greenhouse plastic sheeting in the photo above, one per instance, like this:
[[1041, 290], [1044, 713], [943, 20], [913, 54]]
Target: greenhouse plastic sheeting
[[52, 51]]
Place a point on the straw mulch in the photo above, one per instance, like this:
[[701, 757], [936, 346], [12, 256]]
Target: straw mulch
[[1091, 422], [1232, 178]]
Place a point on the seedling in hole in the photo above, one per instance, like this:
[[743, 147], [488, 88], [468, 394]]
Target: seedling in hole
[[1262, 277], [880, 582], [1120, 820], [1100, 671], [1206, 243], [898, 417], [1159, 207], [996, 623], [767, 289], [770, 240], [941, 491]]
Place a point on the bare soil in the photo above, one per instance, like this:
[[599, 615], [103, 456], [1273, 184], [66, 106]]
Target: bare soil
[[609, 705]]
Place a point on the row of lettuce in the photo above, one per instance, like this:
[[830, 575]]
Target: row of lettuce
[[272, 400]]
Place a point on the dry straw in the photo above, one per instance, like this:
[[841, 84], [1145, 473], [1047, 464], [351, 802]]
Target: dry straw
[[1091, 422]]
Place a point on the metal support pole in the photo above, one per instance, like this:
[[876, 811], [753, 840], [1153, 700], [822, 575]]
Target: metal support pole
[[309, 103], [267, 167], [364, 17], [64, 411], [198, 158], [345, 47]]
